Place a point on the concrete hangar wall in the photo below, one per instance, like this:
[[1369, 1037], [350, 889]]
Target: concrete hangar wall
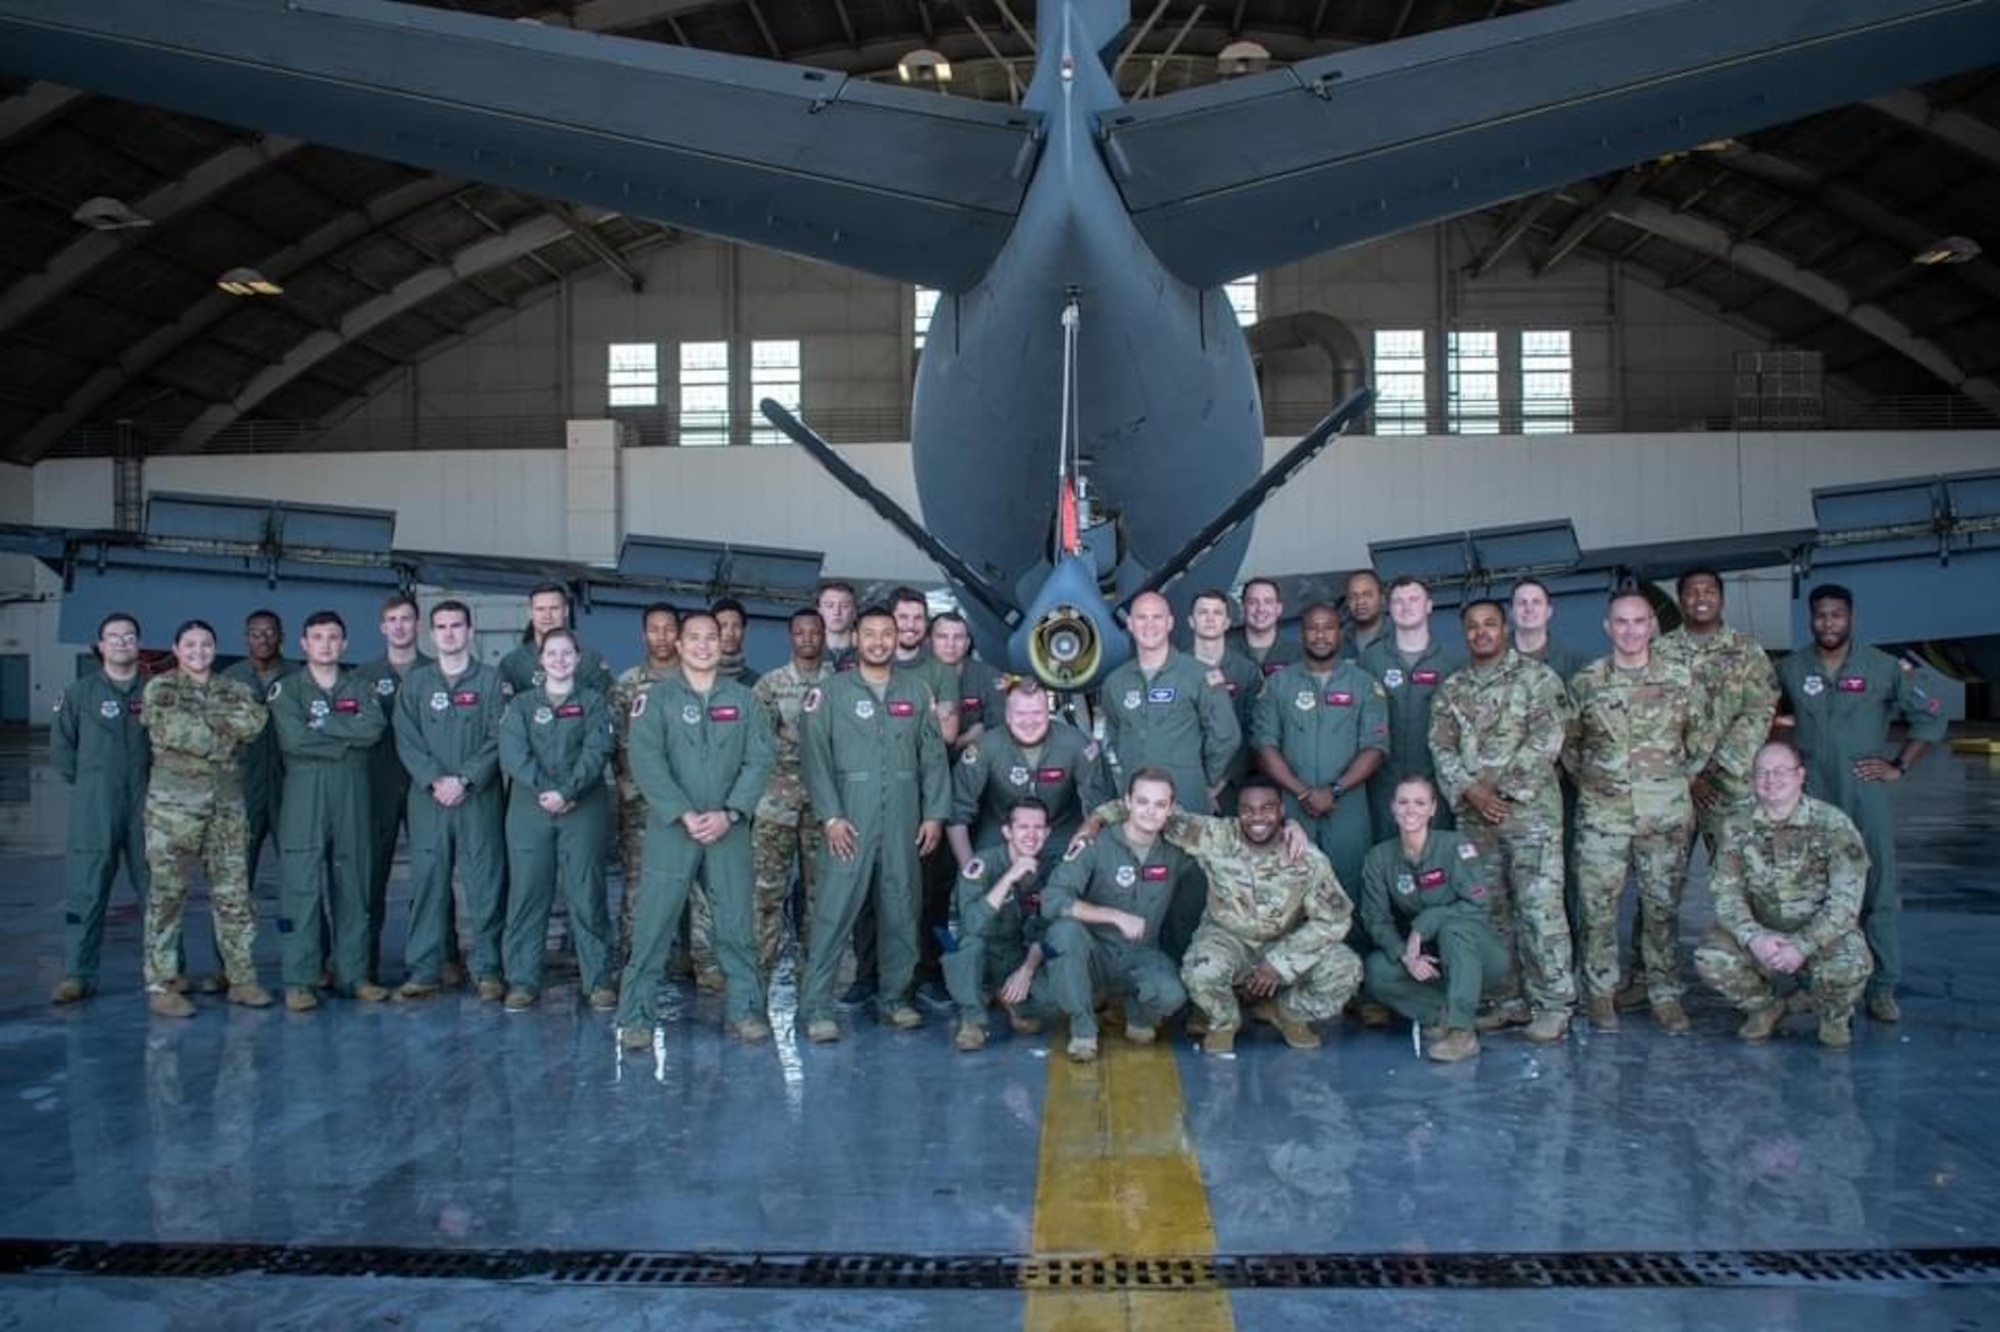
[[538, 488]]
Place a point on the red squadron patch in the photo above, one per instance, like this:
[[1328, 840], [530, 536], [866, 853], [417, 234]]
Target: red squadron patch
[[1050, 776], [347, 705], [465, 698], [1340, 698], [1431, 878], [1154, 874], [901, 707], [570, 710], [1426, 676], [725, 712]]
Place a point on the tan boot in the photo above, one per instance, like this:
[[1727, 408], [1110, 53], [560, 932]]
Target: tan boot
[[491, 990], [1631, 996], [1454, 1046], [823, 1031], [1549, 1026], [250, 995], [520, 999], [1138, 1035], [1603, 1014], [69, 990], [903, 1017], [635, 1038], [161, 1001], [1375, 1015], [299, 999], [451, 976], [970, 1036], [751, 1030], [1670, 1017], [1882, 1007], [1297, 1032], [1760, 1024], [603, 999], [1219, 1041], [1506, 1013], [415, 989], [1834, 1033], [1083, 1049], [1026, 1026], [368, 992]]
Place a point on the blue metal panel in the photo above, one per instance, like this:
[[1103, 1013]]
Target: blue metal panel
[[775, 572], [208, 518], [1428, 558], [671, 559], [325, 527], [1526, 546]]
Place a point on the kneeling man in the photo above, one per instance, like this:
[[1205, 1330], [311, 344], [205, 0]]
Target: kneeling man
[[1000, 928]]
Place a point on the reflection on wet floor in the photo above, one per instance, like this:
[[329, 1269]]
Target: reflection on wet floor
[[450, 1124]]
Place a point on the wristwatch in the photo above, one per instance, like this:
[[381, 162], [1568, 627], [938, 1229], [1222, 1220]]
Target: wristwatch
[[735, 817], [1338, 790]]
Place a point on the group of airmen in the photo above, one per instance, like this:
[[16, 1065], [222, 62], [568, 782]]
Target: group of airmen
[[975, 843]]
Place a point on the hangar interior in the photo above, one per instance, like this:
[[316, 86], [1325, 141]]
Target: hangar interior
[[1683, 349]]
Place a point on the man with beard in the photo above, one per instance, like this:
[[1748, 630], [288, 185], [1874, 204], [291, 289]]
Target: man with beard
[[1842, 697]]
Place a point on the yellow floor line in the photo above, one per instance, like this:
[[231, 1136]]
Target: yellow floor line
[[1118, 1178]]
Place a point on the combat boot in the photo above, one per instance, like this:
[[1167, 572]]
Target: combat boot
[[520, 999], [1760, 1024], [1671, 1018], [1454, 1046], [1631, 995], [451, 976], [1506, 1013], [1375, 1015], [1197, 1021], [368, 992], [1834, 1033], [299, 999], [970, 1036], [1138, 1034], [902, 1017], [416, 989], [603, 999], [751, 1030], [1603, 1014], [491, 990], [1298, 1034], [161, 1001], [250, 995], [635, 1038], [1026, 1026], [1083, 1049], [70, 990], [1219, 1040], [823, 1031], [1882, 1007], [1549, 1026]]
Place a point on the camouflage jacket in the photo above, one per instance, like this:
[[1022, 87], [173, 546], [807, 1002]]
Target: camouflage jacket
[[197, 729], [1639, 739], [1503, 725], [1802, 876], [1736, 686], [782, 693]]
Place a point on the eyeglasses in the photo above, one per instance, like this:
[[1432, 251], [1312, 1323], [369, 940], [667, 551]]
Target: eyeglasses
[[1773, 774], [121, 640]]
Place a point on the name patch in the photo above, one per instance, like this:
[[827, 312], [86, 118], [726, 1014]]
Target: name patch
[[465, 698], [1162, 694], [570, 710], [1271, 668], [1431, 878], [1851, 684], [1426, 676], [902, 707], [725, 712], [1339, 699], [1050, 776], [1154, 874], [347, 705]]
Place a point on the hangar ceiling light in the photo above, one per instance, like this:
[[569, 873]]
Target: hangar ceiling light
[[924, 66], [1949, 250], [104, 213], [248, 282]]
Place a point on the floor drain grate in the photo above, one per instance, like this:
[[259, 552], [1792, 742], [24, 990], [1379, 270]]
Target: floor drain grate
[[888, 1271]]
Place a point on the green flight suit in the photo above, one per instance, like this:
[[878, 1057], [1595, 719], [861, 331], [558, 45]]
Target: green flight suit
[[323, 832], [1173, 719], [996, 773], [876, 759], [1565, 659], [1320, 724], [1086, 962], [97, 743], [981, 694], [261, 765], [993, 942], [694, 752], [1843, 716], [1441, 893], [388, 799], [562, 746], [1284, 650], [1412, 685], [448, 727]]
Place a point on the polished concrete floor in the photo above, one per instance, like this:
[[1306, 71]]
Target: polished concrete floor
[[450, 1127]]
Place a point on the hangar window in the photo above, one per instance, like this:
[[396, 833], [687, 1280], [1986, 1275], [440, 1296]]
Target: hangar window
[[1548, 403], [774, 373], [1399, 381], [1243, 298], [634, 375], [926, 307], [1472, 382], [704, 393]]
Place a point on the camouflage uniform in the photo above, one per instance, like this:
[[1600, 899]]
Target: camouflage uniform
[[993, 942], [1734, 682], [697, 751], [1802, 877], [97, 743], [1442, 895], [1261, 909], [1503, 725], [194, 811], [1320, 724], [323, 833], [1412, 685], [562, 746], [1089, 961], [877, 760], [786, 833], [450, 727], [998, 772], [1638, 741], [260, 764], [632, 802], [388, 798], [1844, 715]]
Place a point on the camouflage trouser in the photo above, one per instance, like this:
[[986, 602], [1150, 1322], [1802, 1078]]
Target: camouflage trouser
[[1708, 823], [775, 850], [1216, 962], [1526, 857], [1835, 977], [1659, 862], [207, 826]]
